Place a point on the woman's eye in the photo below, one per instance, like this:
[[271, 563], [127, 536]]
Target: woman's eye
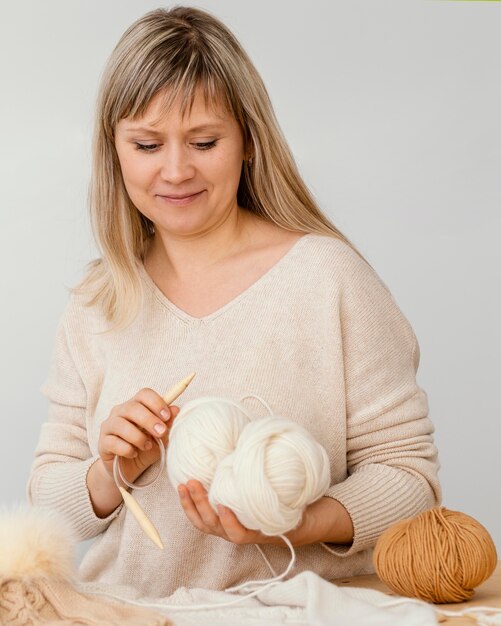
[[207, 145], [146, 147], [151, 147]]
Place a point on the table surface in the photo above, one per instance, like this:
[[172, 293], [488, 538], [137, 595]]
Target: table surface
[[487, 594]]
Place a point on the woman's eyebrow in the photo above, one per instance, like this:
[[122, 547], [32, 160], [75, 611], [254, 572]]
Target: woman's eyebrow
[[144, 129], [193, 129], [200, 127]]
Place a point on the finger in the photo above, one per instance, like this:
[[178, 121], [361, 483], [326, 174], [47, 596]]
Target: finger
[[133, 434], [115, 446], [190, 509], [234, 530], [136, 412], [199, 497], [174, 410], [154, 402]]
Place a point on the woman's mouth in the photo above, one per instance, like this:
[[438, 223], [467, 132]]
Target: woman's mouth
[[180, 200]]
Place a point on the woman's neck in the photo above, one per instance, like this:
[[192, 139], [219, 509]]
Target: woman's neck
[[185, 255]]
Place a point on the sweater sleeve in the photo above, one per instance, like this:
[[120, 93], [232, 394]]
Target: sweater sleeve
[[392, 462], [62, 456]]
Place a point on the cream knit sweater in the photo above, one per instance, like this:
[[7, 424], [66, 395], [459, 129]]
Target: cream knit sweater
[[321, 339]]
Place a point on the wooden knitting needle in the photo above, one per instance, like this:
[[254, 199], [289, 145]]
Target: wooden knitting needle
[[130, 501], [141, 517], [177, 390]]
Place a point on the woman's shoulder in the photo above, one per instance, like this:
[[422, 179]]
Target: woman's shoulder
[[362, 292], [81, 315], [335, 258], [329, 245], [339, 269]]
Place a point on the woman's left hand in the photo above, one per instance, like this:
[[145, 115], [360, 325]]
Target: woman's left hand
[[199, 511], [324, 520]]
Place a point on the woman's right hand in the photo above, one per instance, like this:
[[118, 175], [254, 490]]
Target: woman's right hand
[[130, 431]]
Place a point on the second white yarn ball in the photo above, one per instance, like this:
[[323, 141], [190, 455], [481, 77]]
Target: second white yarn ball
[[276, 470]]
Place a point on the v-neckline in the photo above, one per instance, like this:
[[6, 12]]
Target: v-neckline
[[163, 299]]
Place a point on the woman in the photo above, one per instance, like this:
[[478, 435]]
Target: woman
[[216, 259]]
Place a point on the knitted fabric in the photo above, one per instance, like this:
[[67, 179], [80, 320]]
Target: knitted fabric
[[48, 602]]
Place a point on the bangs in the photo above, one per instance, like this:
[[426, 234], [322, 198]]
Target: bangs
[[180, 79]]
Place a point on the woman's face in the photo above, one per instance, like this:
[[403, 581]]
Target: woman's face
[[182, 173]]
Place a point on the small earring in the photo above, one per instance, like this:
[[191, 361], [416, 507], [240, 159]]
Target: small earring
[[249, 160]]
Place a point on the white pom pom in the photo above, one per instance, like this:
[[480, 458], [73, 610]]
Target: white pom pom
[[277, 469], [204, 432], [35, 542]]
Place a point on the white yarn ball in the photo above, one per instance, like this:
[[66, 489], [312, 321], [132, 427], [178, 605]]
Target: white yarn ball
[[204, 432], [276, 470]]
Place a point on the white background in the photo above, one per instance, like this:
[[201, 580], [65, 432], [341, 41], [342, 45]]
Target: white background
[[392, 111]]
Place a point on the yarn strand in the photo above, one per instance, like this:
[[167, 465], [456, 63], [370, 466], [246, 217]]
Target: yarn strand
[[118, 473], [265, 559], [263, 402], [260, 583]]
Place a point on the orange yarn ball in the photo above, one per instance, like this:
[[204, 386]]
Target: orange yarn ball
[[439, 556]]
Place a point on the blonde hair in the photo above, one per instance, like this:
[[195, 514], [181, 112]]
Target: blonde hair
[[180, 50]]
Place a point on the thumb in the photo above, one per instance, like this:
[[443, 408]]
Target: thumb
[[174, 410]]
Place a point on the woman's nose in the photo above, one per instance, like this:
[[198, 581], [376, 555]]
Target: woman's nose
[[176, 166]]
